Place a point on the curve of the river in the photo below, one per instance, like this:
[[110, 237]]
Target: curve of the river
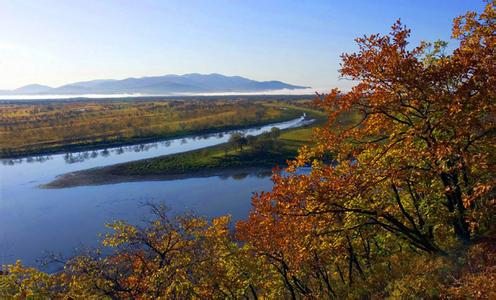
[[34, 221]]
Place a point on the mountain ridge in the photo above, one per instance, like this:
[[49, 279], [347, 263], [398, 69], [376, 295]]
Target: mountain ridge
[[155, 85]]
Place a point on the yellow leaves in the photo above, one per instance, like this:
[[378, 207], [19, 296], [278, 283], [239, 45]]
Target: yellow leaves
[[18, 281], [122, 233], [222, 221], [478, 192]]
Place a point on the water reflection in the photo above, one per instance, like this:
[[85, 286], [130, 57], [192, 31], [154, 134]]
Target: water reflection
[[246, 174], [77, 157], [239, 176], [157, 147], [29, 160], [71, 158]]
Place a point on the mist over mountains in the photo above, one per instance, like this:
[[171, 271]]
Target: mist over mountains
[[158, 85]]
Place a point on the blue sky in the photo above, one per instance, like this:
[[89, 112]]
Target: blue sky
[[299, 42]]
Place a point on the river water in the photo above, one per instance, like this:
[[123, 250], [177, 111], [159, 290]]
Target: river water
[[34, 221]]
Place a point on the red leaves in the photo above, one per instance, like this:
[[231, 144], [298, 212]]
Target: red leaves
[[425, 127]]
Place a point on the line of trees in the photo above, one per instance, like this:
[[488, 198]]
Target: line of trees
[[267, 141]]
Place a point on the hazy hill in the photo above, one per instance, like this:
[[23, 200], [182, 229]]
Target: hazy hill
[[32, 89], [160, 85]]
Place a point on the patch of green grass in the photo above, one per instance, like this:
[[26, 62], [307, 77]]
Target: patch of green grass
[[211, 158], [222, 156], [228, 156]]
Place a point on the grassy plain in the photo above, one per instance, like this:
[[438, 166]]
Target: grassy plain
[[33, 128]]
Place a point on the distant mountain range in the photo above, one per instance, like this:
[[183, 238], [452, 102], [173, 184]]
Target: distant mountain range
[[158, 85]]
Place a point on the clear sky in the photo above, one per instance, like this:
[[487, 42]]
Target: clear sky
[[299, 42]]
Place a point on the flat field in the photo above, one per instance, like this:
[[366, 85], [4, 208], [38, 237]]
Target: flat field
[[57, 126]]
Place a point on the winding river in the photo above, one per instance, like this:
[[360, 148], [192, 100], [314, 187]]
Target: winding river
[[34, 220]]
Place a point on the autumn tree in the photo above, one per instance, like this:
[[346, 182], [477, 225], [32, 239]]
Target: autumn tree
[[275, 132], [415, 175], [238, 139], [179, 258]]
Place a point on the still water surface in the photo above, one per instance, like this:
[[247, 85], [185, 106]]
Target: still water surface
[[34, 220]]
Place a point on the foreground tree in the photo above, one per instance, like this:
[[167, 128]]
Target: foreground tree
[[415, 175], [174, 258]]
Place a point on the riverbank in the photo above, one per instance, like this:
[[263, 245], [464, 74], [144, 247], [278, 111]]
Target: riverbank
[[90, 146], [43, 129], [103, 176], [219, 160]]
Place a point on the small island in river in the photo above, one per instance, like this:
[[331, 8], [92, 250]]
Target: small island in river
[[240, 156]]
